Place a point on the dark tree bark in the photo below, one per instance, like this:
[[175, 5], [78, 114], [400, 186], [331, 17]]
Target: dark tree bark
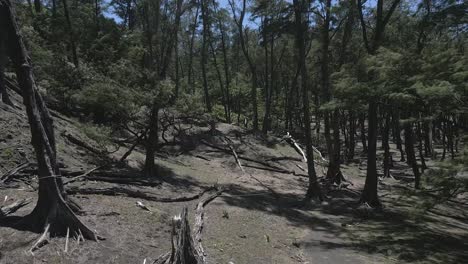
[[397, 135], [362, 125], [352, 133], [253, 93], [369, 194], [191, 55], [421, 147], [300, 8], [204, 52], [52, 212], [410, 154], [386, 146], [3, 58], [227, 76], [37, 6], [149, 169], [71, 34]]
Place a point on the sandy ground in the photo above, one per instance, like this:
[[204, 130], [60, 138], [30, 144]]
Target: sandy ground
[[256, 220]]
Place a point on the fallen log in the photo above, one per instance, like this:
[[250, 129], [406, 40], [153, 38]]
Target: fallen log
[[73, 139], [8, 176], [9, 209], [114, 191]]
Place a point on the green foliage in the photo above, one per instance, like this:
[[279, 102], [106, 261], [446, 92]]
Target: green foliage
[[99, 133], [105, 102]]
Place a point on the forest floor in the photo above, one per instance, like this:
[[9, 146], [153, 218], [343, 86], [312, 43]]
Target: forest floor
[[257, 219]]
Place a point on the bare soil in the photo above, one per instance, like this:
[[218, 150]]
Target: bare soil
[[258, 219]]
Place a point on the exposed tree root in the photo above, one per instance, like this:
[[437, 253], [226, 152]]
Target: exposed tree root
[[42, 241]]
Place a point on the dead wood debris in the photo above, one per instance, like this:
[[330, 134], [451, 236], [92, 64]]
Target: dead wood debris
[[113, 191], [9, 209], [186, 246]]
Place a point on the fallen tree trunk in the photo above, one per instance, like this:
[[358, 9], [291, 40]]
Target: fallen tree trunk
[[6, 210], [8, 176], [73, 139], [113, 191]]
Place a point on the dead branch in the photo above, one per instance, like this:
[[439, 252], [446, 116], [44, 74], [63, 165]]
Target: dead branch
[[234, 153], [288, 138], [7, 176], [83, 175]]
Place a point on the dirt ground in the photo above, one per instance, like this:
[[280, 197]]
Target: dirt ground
[[256, 220]]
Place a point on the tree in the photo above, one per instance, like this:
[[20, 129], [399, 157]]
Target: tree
[[369, 194], [300, 8], [53, 212], [239, 20]]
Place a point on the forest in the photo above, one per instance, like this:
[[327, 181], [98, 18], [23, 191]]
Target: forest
[[233, 131]]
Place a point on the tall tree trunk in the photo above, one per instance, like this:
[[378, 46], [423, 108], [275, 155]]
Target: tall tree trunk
[[71, 34], [300, 8], [253, 92], [362, 126], [420, 147], [268, 85], [227, 76], [190, 79], [97, 13], [410, 154], [397, 135], [204, 51], [52, 212], [386, 145], [37, 6], [149, 169], [369, 194], [3, 59], [352, 133]]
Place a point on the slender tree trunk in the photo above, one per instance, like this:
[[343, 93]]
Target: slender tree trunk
[[3, 59], [352, 133], [444, 135], [301, 29], [37, 6], [386, 146], [397, 133], [204, 55], [363, 132], [191, 82], [369, 194], [253, 93], [149, 169], [409, 147], [420, 147], [428, 149], [71, 34], [227, 76]]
